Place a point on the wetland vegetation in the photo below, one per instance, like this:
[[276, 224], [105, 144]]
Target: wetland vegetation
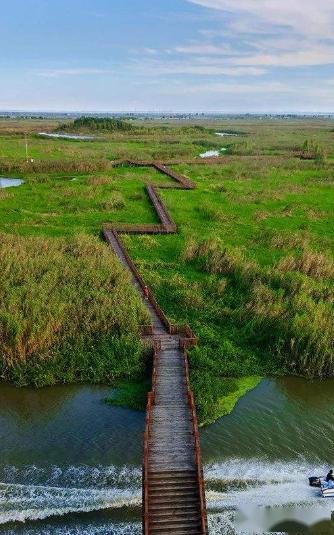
[[250, 269]]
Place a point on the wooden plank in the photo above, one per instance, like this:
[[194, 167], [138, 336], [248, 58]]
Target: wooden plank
[[173, 492]]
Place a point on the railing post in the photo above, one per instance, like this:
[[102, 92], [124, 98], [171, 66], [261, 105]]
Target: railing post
[[166, 225]]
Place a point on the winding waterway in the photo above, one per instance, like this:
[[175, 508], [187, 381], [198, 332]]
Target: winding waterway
[[70, 464]]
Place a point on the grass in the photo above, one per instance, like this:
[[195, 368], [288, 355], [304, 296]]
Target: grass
[[53, 205], [68, 312], [218, 397], [131, 394], [250, 269], [266, 308]]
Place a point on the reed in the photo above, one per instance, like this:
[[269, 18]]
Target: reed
[[67, 312], [286, 310]]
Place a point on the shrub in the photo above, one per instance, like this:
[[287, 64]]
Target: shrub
[[102, 124], [313, 151]]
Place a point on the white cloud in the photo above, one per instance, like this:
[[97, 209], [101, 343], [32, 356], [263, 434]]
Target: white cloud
[[316, 55], [304, 16], [57, 73], [150, 51], [283, 33], [200, 48], [222, 88], [198, 68]]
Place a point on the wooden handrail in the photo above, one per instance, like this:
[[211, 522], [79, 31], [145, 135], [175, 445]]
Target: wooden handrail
[[185, 161], [148, 422], [150, 400], [187, 337], [197, 449], [198, 464]]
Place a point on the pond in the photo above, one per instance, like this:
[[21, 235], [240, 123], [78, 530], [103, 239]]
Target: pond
[[223, 134], [10, 182], [71, 464], [66, 136], [213, 153]]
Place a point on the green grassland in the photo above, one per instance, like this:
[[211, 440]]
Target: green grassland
[[251, 268], [68, 312]]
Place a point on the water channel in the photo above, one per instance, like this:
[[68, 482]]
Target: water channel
[[70, 463]]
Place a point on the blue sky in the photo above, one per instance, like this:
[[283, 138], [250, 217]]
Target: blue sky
[[172, 55]]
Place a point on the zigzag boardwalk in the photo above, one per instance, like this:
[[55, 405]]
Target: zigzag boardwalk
[[173, 486]]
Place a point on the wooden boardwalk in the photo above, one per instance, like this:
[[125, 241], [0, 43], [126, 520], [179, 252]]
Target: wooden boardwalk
[[173, 494], [173, 486]]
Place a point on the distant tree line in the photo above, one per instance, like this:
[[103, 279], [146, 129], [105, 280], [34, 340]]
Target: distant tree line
[[100, 124]]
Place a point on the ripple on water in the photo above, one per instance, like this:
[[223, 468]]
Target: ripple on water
[[80, 529], [257, 461], [279, 420]]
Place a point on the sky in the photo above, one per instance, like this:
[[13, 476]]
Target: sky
[[231, 56]]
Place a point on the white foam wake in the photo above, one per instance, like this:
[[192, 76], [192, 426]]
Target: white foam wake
[[262, 494], [24, 502], [35, 493], [262, 471], [80, 476], [90, 529]]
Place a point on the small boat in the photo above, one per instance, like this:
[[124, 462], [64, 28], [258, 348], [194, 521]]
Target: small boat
[[326, 488]]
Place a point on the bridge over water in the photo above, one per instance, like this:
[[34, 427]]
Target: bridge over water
[[173, 484]]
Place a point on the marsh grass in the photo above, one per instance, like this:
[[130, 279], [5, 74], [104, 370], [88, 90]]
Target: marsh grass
[[249, 286], [314, 151], [115, 201], [54, 166], [100, 180], [209, 212], [286, 309], [67, 312]]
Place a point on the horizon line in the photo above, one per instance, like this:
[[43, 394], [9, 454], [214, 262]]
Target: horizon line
[[157, 112]]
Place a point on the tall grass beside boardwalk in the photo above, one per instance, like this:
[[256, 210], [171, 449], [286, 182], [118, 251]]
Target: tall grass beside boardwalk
[[54, 166], [68, 312], [287, 309]]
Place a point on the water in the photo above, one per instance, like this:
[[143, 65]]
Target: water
[[223, 134], [66, 136], [10, 182], [70, 464], [258, 458], [213, 153], [64, 452]]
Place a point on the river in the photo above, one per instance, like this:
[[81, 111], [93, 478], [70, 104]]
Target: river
[[70, 464]]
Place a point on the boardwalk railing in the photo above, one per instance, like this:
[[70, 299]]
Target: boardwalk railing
[[187, 339], [150, 402], [197, 445], [172, 329], [216, 160], [198, 463], [148, 420]]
